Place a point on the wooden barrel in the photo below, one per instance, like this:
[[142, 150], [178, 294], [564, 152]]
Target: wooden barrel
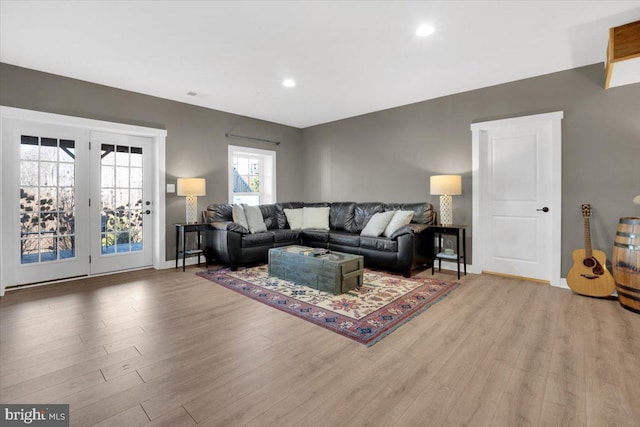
[[626, 263]]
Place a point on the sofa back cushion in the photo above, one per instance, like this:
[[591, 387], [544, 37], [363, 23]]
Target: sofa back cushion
[[341, 215], [363, 213], [422, 211], [270, 216], [317, 205], [219, 213]]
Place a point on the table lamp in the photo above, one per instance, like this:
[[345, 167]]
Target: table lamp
[[446, 186], [192, 188]]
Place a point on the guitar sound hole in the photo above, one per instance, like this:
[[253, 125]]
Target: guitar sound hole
[[589, 262]]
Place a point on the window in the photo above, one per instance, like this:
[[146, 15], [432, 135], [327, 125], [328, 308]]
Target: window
[[252, 178]]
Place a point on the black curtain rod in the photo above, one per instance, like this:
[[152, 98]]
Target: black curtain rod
[[231, 135]]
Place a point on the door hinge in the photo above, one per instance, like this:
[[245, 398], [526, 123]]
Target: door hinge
[[89, 202], [89, 259], [89, 145]]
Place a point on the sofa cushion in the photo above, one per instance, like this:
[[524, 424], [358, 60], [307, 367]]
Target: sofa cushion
[[281, 217], [219, 213], [315, 236], [259, 239], [317, 218], [344, 238], [269, 216], [399, 220], [341, 215], [254, 218], [294, 218], [229, 226], [379, 243], [363, 213], [292, 236], [422, 212], [377, 224]]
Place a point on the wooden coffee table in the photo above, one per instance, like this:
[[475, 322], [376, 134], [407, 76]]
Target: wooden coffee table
[[335, 272]]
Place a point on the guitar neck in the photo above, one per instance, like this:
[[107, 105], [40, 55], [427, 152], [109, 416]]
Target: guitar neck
[[587, 238]]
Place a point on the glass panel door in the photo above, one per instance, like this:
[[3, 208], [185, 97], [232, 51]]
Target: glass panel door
[[43, 200], [122, 169]]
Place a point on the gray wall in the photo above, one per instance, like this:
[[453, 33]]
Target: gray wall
[[389, 155], [196, 145]]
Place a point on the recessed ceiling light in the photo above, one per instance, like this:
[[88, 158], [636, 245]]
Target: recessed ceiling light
[[288, 83], [425, 30]]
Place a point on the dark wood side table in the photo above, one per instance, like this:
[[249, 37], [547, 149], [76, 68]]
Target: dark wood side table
[[181, 241], [454, 230]]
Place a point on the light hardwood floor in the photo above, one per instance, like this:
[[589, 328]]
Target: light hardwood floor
[[169, 348]]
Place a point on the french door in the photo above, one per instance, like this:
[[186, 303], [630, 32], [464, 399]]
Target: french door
[[74, 202], [121, 230], [43, 207]]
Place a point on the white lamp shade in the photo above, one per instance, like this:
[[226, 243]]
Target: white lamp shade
[[191, 187], [446, 185]]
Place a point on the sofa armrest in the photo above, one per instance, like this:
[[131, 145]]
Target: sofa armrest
[[225, 246], [229, 226], [409, 229]]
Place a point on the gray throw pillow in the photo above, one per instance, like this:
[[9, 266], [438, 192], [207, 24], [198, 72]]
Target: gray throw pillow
[[294, 218], [377, 224], [254, 219], [316, 218], [399, 220], [239, 217]]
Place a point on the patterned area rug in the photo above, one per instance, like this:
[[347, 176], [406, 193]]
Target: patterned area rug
[[365, 315]]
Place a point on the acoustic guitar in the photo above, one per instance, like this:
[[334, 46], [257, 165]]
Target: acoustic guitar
[[589, 275]]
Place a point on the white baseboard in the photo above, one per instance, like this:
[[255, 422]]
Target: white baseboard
[[563, 283]]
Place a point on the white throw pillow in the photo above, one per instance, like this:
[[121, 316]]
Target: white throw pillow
[[315, 218], [294, 218], [238, 216], [254, 219], [399, 220], [377, 224]]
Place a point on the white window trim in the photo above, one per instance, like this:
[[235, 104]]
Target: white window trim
[[159, 145], [258, 151]]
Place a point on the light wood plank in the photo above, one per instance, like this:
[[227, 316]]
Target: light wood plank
[[170, 348]]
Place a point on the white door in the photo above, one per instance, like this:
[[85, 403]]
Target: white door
[[518, 210], [71, 207], [121, 205], [44, 201]]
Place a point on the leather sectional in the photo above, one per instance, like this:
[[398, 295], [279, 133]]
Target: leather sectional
[[408, 248]]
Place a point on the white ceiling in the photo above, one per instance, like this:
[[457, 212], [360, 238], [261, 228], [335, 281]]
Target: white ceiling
[[348, 58]]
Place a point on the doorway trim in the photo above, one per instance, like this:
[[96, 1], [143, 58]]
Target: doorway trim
[[479, 134], [158, 137]]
